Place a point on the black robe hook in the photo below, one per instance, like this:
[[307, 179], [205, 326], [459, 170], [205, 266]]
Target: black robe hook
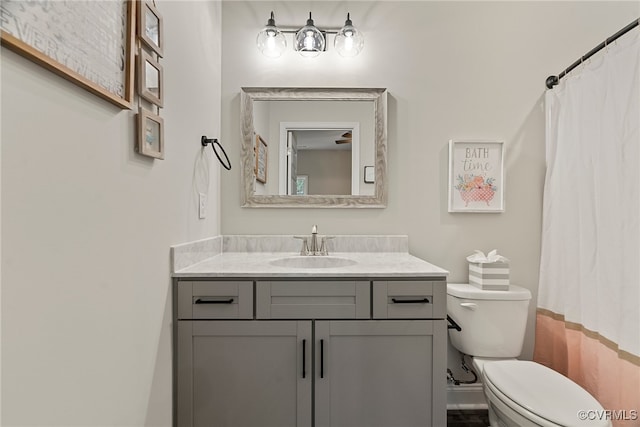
[[205, 141]]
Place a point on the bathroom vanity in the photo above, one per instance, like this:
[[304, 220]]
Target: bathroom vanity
[[266, 337]]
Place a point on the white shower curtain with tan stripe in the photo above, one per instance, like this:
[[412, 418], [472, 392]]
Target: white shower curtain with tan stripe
[[588, 317]]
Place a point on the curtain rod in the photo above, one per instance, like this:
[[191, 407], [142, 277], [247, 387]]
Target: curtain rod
[[553, 80]]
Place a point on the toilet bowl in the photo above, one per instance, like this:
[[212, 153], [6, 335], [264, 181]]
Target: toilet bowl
[[519, 393]]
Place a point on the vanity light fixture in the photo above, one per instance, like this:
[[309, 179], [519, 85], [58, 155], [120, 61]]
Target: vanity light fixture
[[309, 40], [271, 41], [349, 41]]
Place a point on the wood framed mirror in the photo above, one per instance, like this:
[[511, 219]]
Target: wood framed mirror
[[328, 136]]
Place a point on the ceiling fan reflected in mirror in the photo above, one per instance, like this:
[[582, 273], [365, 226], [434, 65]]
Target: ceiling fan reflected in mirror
[[347, 137]]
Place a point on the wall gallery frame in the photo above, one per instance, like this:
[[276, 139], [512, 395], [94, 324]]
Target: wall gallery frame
[[150, 26], [150, 77], [261, 159], [150, 134], [88, 43], [476, 176]]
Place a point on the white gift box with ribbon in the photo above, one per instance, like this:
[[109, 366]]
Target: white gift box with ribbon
[[489, 272]]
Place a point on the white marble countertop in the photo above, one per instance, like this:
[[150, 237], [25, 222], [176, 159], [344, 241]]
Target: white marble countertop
[[388, 258], [258, 264]]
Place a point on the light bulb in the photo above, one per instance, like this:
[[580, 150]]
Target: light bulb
[[271, 41], [309, 43], [349, 41]]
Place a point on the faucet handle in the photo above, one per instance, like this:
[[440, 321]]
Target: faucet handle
[[305, 244], [323, 244]]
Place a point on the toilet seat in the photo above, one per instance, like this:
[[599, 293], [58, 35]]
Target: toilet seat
[[540, 394]]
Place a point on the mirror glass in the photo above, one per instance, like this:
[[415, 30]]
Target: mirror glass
[[152, 26], [152, 78], [319, 161], [313, 146]]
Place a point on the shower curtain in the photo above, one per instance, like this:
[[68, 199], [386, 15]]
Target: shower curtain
[[588, 315]]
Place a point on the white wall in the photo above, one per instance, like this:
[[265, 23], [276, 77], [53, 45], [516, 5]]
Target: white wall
[[454, 70], [86, 229]]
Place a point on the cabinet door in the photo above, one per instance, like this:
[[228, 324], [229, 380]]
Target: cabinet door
[[380, 373], [244, 373]]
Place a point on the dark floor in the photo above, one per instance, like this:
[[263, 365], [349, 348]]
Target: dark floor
[[471, 418]]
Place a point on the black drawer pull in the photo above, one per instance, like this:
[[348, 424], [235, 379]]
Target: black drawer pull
[[304, 358], [213, 301], [321, 358], [410, 301]]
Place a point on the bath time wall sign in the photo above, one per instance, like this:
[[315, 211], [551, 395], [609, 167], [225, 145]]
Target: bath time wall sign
[[476, 176]]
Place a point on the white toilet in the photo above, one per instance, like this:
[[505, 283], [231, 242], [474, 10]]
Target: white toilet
[[519, 393]]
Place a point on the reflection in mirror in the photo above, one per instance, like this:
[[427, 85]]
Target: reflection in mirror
[[320, 141], [323, 156]]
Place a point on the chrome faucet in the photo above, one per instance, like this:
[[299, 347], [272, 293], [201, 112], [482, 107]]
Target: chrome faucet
[[310, 245], [313, 246]]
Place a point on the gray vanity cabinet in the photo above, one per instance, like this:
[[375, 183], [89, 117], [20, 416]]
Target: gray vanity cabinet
[[379, 373], [249, 374], [334, 353]]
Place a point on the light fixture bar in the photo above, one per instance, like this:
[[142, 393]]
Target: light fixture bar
[[292, 30], [309, 40]]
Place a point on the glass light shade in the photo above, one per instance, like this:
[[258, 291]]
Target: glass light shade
[[309, 40], [349, 41], [271, 41]]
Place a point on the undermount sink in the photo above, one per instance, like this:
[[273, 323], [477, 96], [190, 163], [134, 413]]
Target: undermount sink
[[313, 262]]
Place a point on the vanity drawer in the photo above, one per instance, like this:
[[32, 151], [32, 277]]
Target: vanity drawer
[[313, 299], [215, 300], [409, 300]]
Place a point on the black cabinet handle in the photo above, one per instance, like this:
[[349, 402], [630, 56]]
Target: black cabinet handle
[[213, 301], [304, 358], [410, 301], [321, 358]]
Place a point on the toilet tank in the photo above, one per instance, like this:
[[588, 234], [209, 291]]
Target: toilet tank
[[493, 322]]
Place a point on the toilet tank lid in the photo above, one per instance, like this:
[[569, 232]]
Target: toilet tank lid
[[465, 290]]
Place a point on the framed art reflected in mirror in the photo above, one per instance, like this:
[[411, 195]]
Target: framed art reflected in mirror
[[261, 160]]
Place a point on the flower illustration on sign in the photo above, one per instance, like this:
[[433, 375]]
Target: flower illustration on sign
[[475, 188]]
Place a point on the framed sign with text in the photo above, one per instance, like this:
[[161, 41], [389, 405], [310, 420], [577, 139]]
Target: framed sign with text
[[476, 176], [89, 43]]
